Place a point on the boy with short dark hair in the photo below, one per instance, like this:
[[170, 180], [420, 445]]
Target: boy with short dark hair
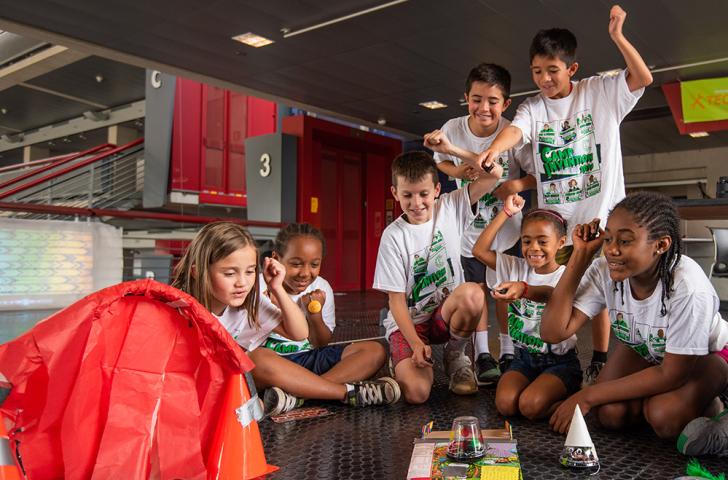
[[574, 130], [418, 268], [487, 92]]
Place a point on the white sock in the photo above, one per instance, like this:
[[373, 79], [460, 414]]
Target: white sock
[[457, 343], [506, 344], [481, 342]]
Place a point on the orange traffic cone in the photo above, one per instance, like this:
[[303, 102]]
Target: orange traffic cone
[[8, 468], [237, 450]]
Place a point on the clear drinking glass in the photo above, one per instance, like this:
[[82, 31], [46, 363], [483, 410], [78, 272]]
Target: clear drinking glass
[[466, 440]]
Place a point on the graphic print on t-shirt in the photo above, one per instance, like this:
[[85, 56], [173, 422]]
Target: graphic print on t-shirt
[[433, 280], [488, 205], [524, 323], [568, 159], [647, 340]]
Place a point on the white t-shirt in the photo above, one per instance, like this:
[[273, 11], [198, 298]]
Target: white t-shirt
[[524, 316], [235, 321], [458, 132], [423, 261], [692, 325], [576, 147], [285, 346]]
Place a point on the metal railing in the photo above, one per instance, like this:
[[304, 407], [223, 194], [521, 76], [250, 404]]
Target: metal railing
[[113, 180]]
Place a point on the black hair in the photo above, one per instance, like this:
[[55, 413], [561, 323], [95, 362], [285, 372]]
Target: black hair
[[658, 215], [547, 215], [492, 74], [555, 42], [414, 166], [293, 230]]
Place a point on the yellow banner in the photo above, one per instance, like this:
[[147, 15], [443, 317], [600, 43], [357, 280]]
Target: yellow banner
[[704, 100]]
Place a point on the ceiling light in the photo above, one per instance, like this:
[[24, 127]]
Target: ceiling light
[[382, 121], [433, 104], [252, 39], [99, 78], [610, 73], [698, 134], [96, 116]]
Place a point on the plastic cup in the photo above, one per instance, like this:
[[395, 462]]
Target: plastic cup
[[466, 440]]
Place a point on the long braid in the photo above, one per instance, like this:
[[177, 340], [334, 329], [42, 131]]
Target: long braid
[[658, 214]]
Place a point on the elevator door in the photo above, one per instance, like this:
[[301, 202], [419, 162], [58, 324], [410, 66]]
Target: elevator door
[[341, 206]]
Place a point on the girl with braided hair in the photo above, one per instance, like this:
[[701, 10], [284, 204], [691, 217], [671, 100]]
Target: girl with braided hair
[[663, 310]]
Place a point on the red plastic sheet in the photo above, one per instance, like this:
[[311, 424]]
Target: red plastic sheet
[[125, 383]]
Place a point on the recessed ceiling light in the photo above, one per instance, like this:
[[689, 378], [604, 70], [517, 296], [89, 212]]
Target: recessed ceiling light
[[252, 39], [99, 78], [433, 105], [698, 134], [610, 73]]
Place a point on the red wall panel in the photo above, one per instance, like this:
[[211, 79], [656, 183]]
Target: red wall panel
[[187, 136]]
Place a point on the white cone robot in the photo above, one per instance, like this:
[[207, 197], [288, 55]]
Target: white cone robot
[[579, 451]]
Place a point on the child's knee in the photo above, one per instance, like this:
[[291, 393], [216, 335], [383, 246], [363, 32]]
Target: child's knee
[[416, 394], [533, 404], [612, 416], [665, 421], [506, 403], [472, 299]]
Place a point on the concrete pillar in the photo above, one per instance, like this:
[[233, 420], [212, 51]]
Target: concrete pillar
[[121, 135], [34, 152]]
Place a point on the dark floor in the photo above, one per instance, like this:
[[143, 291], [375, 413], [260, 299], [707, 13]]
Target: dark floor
[[376, 443]]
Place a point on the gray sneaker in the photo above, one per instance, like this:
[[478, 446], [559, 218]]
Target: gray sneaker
[[459, 370], [382, 391], [276, 401], [705, 436]]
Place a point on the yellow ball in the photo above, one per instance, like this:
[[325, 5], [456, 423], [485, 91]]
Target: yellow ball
[[314, 306]]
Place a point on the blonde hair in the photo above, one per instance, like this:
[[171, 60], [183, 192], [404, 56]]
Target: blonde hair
[[212, 243]]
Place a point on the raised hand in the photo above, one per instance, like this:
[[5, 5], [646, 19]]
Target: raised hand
[[617, 15], [273, 273], [514, 204], [437, 141]]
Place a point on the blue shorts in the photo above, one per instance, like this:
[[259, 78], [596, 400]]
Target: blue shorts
[[318, 360], [566, 367]]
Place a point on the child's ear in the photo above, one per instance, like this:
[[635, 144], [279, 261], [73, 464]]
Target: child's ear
[[193, 270], [506, 104], [663, 244], [393, 189], [562, 242], [275, 256], [573, 68]]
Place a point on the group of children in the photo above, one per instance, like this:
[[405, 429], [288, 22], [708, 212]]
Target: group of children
[[445, 254]]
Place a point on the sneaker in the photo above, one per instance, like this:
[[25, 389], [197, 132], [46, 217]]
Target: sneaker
[[505, 361], [459, 370], [276, 401], [592, 372], [705, 436], [382, 391], [487, 368]]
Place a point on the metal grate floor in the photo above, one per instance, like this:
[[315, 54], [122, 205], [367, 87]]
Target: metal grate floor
[[376, 442]]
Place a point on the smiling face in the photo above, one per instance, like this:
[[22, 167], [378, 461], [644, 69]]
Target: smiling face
[[302, 260], [629, 251], [232, 278], [486, 104], [417, 199], [539, 243], [552, 76]]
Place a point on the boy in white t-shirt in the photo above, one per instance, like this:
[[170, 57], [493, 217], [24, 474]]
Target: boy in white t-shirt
[[574, 130], [418, 267], [487, 91]]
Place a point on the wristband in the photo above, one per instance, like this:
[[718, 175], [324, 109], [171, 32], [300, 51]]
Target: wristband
[[505, 210], [525, 289]]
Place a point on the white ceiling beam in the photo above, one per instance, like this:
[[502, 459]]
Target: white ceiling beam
[[38, 64]]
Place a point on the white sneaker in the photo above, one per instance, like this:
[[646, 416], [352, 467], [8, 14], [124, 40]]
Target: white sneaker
[[459, 370], [276, 401]]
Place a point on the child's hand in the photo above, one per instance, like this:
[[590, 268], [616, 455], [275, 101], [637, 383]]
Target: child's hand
[[514, 204], [488, 157], [437, 141], [616, 20], [561, 418], [273, 273], [318, 295], [509, 291], [422, 355], [588, 236], [467, 172], [503, 190], [492, 169]]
